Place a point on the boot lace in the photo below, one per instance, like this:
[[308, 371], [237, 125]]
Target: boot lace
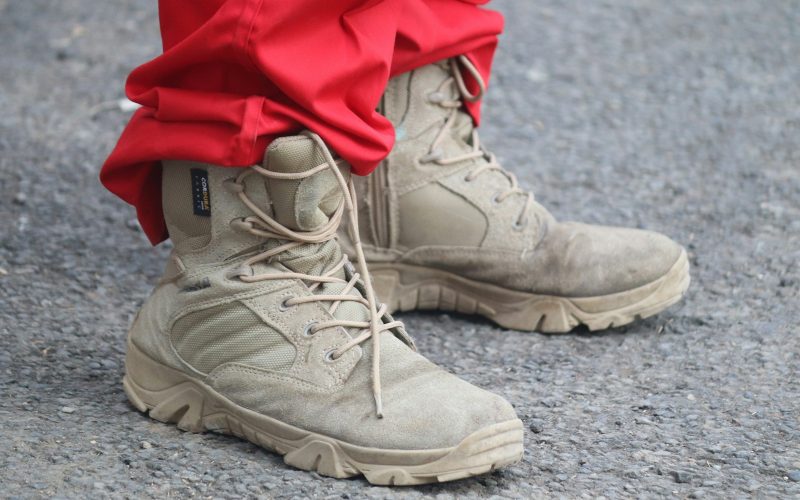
[[442, 98], [262, 225]]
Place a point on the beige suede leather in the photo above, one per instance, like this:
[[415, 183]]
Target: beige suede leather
[[441, 202], [208, 339], [450, 211]]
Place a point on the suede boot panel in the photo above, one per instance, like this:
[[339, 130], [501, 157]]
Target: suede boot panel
[[430, 408], [224, 314], [524, 248]]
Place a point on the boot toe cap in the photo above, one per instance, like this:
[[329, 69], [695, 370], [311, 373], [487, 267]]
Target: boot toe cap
[[600, 260], [424, 407], [442, 411]]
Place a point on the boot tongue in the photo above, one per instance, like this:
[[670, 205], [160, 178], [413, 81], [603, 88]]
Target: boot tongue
[[426, 82], [407, 95], [305, 205]]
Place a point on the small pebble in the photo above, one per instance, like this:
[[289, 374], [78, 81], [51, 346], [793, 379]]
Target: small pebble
[[146, 445], [794, 475], [67, 409], [536, 426], [681, 476]]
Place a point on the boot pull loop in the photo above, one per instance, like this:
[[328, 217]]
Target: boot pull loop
[[468, 96]]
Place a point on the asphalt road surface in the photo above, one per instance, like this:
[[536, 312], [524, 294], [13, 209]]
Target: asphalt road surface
[[681, 116]]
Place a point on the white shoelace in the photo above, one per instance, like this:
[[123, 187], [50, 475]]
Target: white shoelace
[[434, 155], [262, 225]]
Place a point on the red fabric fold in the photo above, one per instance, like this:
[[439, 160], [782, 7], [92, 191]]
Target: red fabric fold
[[236, 74]]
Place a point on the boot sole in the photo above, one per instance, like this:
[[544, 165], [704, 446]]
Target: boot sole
[[407, 288], [170, 396]]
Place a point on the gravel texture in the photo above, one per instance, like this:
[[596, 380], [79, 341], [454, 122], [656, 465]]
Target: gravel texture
[[680, 116]]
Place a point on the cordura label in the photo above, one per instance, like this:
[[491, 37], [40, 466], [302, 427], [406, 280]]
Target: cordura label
[[201, 196]]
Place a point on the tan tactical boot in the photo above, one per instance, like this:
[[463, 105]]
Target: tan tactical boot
[[261, 328], [445, 227]]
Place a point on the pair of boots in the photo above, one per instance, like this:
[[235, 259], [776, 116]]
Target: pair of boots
[[261, 327]]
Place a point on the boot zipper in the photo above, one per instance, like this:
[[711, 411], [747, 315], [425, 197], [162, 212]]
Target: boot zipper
[[379, 191], [379, 198]]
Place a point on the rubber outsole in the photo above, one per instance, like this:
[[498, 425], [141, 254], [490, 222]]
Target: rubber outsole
[[405, 288], [170, 396]]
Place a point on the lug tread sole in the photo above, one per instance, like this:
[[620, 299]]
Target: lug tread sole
[[195, 407], [406, 288]]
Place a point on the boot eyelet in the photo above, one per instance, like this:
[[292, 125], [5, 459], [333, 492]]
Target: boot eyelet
[[283, 306], [307, 330], [240, 224], [520, 225], [238, 272], [232, 186], [328, 357], [496, 199], [468, 178]]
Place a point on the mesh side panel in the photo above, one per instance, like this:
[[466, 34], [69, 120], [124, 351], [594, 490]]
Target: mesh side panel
[[314, 260], [311, 258], [230, 333], [352, 311]]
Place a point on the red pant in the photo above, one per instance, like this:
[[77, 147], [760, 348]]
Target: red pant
[[235, 74]]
